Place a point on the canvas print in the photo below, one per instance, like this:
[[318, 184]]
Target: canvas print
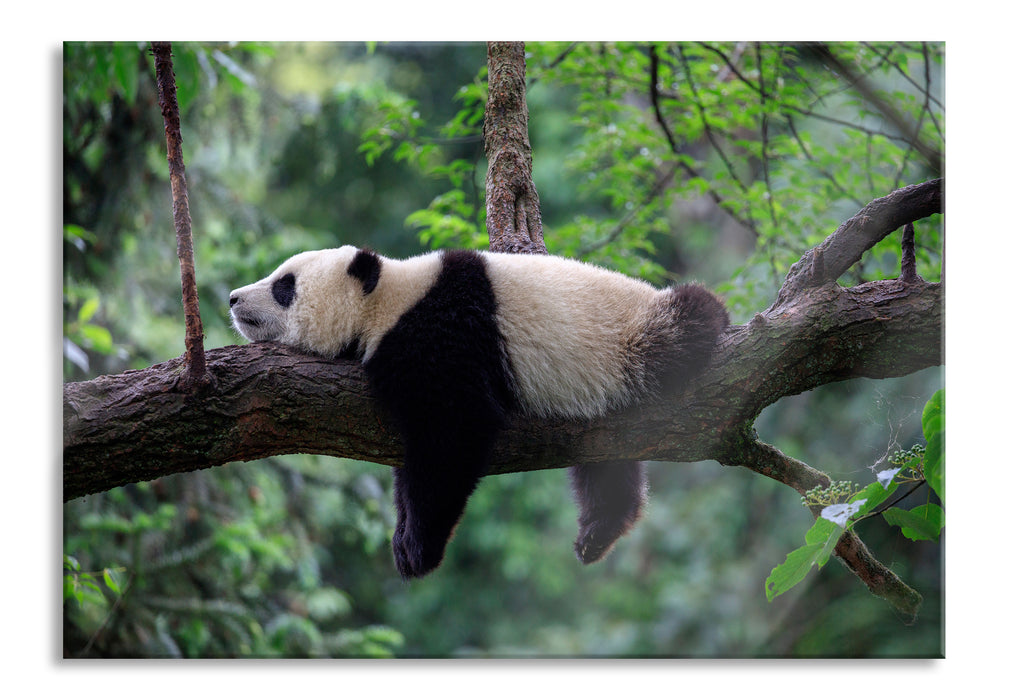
[[429, 350]]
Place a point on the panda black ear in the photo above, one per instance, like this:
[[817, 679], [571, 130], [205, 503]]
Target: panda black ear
[[283, 290], [366, 266]]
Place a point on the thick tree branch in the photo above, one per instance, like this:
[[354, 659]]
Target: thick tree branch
[[267, 399], [873, 223]]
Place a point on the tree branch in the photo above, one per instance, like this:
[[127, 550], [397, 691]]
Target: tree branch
[[513, 204], [654, 94], [873, 223], [195, 361], [268, 399], [874, 97], [748, 452]]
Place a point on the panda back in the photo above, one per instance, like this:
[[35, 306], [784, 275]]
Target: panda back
[[569, 327]]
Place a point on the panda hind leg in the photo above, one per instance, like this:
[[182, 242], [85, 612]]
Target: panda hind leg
[[611, 497]]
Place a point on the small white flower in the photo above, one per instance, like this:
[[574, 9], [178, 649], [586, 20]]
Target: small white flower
[[840, 512], [886, 476]]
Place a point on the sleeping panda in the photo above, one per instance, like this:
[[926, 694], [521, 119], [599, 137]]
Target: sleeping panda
[[455, 342]]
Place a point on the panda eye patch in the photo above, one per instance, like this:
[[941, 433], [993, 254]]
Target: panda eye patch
[[283, 290]]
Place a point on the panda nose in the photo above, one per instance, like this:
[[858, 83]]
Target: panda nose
[[233, 300]]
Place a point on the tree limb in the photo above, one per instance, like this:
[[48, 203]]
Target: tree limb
[[266, 399], [747, 451], [513, 204], [873, 223], [195, 361]]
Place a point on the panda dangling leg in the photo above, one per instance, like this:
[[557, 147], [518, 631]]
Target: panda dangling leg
[[611, 497]]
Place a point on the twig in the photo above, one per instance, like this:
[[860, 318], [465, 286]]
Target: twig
[[861, 85], [654, 94], [908, 265], [702, 112]]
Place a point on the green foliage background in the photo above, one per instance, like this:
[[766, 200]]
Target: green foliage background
[[297, 146]]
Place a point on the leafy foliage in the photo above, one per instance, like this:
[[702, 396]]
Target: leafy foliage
[[296, 146]]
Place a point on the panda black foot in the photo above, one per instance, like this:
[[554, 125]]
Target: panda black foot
[[611, 498], [595, 541], [412, 559]]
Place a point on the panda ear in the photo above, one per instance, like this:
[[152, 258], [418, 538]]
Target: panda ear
[[366, 266]]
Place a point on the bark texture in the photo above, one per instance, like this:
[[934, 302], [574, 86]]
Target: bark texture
[[513, 205]]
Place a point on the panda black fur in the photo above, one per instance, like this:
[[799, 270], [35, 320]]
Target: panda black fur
[[455, 342]]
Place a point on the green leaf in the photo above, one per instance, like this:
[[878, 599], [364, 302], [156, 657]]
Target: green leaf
[[125, 65], [873, 494], [935, 464], [70, 589], [111, 579], [797, 564], [72, 232], [933, 425], [933, 415], [88, 310], [827, 548], [921, 523], [821, 538], [820, 531], [99, 339]]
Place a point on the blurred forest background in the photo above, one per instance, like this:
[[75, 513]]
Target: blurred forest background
[[762, 151]]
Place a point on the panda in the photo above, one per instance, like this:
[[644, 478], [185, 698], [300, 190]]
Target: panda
[[454, 343]]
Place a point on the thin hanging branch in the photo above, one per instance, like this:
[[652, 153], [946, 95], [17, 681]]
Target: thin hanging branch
[[749, 452], [196, 364]]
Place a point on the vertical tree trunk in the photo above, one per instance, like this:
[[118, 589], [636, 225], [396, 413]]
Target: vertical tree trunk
[[196, 366], [513, 205]]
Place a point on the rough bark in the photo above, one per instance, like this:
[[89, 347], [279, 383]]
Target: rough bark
[[843, 248], [513, 205]]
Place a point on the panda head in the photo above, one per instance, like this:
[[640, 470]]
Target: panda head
[[314, 300]]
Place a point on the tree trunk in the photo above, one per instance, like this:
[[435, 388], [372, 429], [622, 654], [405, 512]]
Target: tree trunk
[[195, 361], [513, 205]]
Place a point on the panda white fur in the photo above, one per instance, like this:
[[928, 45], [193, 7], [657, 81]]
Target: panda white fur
[[454, 342]]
